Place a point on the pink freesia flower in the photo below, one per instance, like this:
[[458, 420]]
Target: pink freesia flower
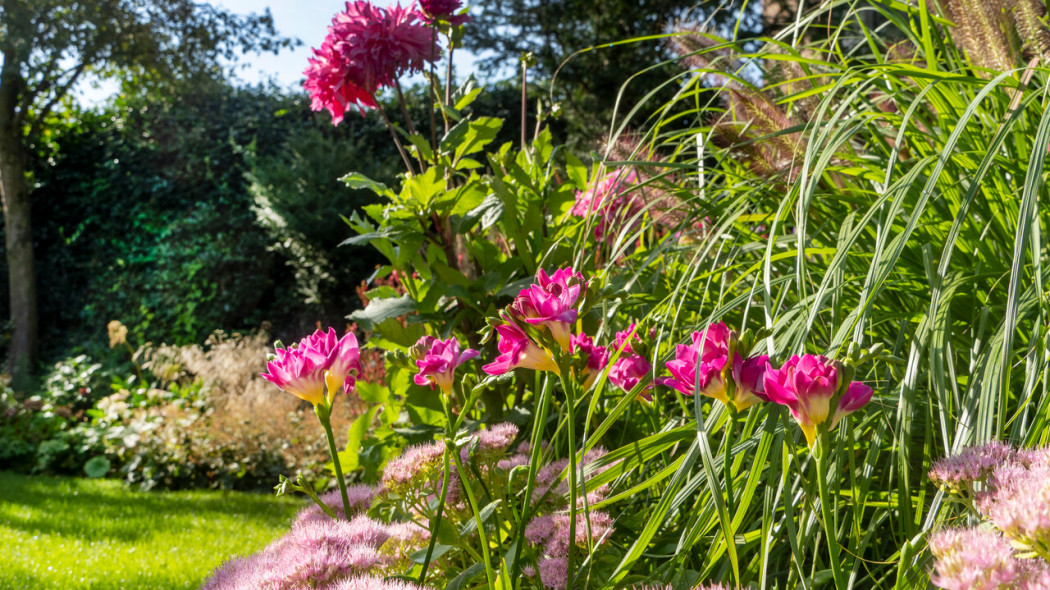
[[806, 385], [439, 362], [628, 370], [367, 47], [443, 10], [299, 371], [597, 357], [605, 200], [320, 358], [551, 303], [702, 364], [517, 350], [343, 357]]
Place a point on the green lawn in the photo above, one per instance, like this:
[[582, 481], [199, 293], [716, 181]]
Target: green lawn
[[78, 533]]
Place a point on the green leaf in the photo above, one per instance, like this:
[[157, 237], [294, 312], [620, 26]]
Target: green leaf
[[380, 310], [349, 458], [479, 133], [356, 180]]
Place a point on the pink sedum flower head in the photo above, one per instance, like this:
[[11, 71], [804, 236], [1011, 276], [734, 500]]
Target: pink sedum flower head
[[517, 350], [439, 361], [551, 303], [299, 371], [973, 559], [367, 47], [806, 385]]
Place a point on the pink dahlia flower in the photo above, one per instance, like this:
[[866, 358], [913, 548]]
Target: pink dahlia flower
[[517, 350], [304, 369], [606, 201], [367, 47], [443, 10], [551, 303], [806, 385], [330, 85], [439, 362]]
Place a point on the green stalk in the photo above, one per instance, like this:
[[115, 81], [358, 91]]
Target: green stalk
[[476, 510], [437, 517], [324, 414], [570, 399], [535, 451], [827, 517], [490, 575], [727, 467]]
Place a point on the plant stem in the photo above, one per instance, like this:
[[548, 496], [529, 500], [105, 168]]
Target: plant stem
[[570, 400], [437, 517], [397, 142], [324, 414], [823, 447], [476, 510]]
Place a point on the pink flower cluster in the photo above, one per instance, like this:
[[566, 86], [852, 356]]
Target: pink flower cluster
[[607, 201], [702, 364], [438, 360], [367, 47], [316, 553], [551, 533], [973, 464], [304, 369], [630, 368], [1011, 490], [549, 305], [981, 559], [360, 498]]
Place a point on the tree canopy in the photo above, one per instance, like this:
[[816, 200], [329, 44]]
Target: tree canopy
[[47, 46]]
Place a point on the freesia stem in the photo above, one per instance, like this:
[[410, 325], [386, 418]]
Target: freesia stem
[[324, 414], [570, 400], [825, 509], [437, 516]]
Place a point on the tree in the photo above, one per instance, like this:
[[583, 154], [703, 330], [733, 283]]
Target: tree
[[50, 45]]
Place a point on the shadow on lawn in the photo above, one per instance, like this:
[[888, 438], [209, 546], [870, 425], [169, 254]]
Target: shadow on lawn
[[97, 510]]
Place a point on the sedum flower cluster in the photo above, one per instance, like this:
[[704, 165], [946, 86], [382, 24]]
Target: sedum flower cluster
[[1010, 490]]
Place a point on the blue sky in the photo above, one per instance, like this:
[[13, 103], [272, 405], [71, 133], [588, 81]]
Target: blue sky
[[306, 19]]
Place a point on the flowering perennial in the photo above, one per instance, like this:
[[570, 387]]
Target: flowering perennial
[[808, 385], [438, 360], [702, 365], [551, 303], [368, 47], [320, 358]]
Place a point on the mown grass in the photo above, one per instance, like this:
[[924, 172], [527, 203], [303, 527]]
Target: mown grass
[[78, 533]]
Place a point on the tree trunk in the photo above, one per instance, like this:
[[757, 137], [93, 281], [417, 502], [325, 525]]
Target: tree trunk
[[18, 238]]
